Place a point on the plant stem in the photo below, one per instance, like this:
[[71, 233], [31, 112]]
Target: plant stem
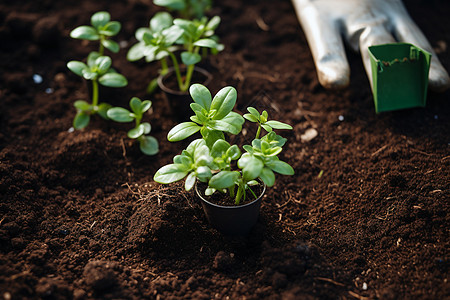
[[231, 191], [254, 195], [258, 132], [177, 69], [189, 72], [164, 68], [94, 92], [101, 49]]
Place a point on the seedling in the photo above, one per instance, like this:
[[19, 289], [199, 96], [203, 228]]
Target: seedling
[[147, 144], [165, 36], [210, 159], [99, 71], [188, 9], [101, 30]]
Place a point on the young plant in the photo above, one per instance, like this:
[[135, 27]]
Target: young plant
[[188, 9], [210, 159], [102, 30], [98, 70], [165, 36], [147, 144]]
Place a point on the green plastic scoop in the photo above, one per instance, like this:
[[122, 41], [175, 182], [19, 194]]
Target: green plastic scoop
[[399, 76]]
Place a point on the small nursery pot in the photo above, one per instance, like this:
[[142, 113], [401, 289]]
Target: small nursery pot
[[179, 101], [232, 220], [399, 76]]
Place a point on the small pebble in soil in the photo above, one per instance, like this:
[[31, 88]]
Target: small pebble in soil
[[37, 78], [364, 286], [123, 44], [309, 135], [49, 90], [70, 130], [223, 261], [341, 118]]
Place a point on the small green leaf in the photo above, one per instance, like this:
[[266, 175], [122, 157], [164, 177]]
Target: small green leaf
[[136, 132], [102, 110], [136, 52], [209, 191], [171, 35], [82, 105], [253, 111], [224, 102], [147, 127], [189, 58], [266, 127], [267, 176], [135, 104], [280, 167], [161, 21], [172, 4], [152, 86], [251, 118], [219, 148], [190, 181], [213, 23], [207, 43], [112, 28], [92, 57], [203, 173], [103, 64], [233, 152], [170, 173], [81, 120], [278, 125], [145, 105], [120, 114], [182, 131], [224, 179], [88, 74], [113, 80], [251, 166], [201, 95], [111, 45], [99, 19], [85, 33], [77, 67]]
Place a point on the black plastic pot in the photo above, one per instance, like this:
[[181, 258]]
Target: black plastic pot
[[232, 220], [179, 101]]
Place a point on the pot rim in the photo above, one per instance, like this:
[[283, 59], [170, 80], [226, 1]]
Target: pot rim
[[234, 206], [171, 70]]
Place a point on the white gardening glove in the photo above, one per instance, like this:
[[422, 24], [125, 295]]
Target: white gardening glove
[[363, 23]]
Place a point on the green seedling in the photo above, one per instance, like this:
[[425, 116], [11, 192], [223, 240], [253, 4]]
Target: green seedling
[[165, 37], [98, 70], [188, 9], [255, 117], [102, 30], [147, 144], [210, 159]]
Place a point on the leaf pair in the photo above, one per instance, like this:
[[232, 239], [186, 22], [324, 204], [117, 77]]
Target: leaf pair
[[212, 116], [156, 41], [262, 120], [98, 68], [193, 162], [148, 144], [102, 28], [85, 110]]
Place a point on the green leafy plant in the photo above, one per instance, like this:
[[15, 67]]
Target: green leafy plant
[[210, 159], [102, 30], [188, 9], [165, 37], [98, 70], [147, 144]]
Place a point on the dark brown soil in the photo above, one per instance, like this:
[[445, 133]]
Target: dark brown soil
[[80, 216]]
